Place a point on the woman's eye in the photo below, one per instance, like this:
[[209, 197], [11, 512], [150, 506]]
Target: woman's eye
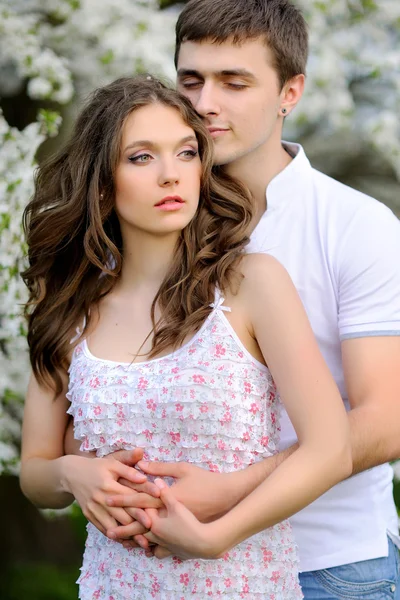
[[189, 154], [141, 158]]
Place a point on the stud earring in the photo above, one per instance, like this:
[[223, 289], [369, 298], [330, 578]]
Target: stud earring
[[284, 111]]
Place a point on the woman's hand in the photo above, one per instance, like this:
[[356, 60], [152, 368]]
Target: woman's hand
[[206, 494], [92, 480], [176, 530]]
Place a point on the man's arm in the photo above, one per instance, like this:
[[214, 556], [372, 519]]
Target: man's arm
[[372, 375], [367, 271]]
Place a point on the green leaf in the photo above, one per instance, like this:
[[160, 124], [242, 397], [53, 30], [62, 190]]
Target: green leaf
[[50, 121], [13, 185], [107, 58]]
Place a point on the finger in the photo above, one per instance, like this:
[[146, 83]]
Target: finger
[[142, 542], [140, 516], [130, 544], [166, 495], [101, 515], [152, 513], [97, 524], [134, 501], [129, 473], [128, 457], [121, 515], [153, 539], [146, 488], [162, 469], [160, 552], [125, 501], [124, 532], [116, 489]]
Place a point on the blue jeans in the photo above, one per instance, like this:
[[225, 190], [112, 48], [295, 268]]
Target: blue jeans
[[377, 579]]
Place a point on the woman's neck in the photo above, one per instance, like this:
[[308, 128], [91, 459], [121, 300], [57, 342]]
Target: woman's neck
[[146, 260]]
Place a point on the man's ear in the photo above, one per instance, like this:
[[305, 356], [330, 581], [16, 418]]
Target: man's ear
[[291, 93]]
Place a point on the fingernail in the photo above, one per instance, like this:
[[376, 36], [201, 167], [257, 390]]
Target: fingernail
[[143, 464], [160, 483], [112, 535], [109, 502]]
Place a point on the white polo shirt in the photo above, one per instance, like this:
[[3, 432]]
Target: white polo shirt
[[342, 250]]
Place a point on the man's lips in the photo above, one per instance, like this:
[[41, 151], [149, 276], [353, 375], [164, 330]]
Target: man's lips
[[215, 131]]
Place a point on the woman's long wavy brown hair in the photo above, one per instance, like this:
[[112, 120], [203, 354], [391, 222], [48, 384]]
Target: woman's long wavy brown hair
[[74, 238]]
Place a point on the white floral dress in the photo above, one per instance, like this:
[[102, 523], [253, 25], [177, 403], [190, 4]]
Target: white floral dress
[[209, 403]]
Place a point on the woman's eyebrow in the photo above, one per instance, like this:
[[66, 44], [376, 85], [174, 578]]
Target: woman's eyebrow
[[151, 144]]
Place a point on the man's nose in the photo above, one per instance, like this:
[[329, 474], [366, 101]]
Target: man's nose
[[207, 103]]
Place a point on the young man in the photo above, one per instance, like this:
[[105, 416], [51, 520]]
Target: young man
[[242, 65]]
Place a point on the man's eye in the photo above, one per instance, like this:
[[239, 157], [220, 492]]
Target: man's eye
[[237, 86], [190, 84]]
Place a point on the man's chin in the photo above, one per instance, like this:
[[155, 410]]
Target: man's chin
[[223, 158]]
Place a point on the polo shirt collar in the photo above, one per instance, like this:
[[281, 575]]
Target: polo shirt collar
[[290, 183]]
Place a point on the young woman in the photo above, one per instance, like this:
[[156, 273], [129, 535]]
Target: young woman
[[178, 340]]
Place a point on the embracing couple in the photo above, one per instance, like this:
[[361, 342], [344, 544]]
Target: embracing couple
[[211, 400]]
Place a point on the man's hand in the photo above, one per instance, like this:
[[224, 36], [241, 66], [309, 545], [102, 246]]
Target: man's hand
[[205, 494]]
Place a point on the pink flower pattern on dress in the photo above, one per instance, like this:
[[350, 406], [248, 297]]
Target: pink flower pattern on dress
[[208, 403]]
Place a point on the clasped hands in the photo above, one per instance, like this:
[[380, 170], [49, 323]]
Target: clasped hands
[[181, 520]]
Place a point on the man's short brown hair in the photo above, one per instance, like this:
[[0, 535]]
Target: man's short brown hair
[[279, 22]]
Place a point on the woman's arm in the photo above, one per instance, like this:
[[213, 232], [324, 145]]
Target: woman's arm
[[51, 480], [279, 323], [43, 467]]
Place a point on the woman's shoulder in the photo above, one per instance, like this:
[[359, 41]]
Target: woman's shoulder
[[258, 269], [265, 284], [262, 279]]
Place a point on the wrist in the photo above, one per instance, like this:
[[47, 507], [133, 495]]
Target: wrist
[[244, 481], [67, 465], [218, 539]]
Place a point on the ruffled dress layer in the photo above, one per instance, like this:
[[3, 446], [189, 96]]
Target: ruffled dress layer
[[209, 403]]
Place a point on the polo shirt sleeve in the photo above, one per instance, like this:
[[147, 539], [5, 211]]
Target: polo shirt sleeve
[[369, 274]]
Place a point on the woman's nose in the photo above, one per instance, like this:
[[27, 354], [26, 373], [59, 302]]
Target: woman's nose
[[169, 174]]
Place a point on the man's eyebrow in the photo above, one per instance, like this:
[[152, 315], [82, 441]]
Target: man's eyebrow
[[224, 73], [150, 144], [189, 73], [237, 73]]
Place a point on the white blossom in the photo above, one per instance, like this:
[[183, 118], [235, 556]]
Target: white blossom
[[63, 49]]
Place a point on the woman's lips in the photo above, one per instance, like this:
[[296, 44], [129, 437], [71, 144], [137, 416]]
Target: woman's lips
[[170, 203]]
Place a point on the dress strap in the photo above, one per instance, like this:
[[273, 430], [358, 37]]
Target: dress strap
[[219, 301], [79, 331]]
